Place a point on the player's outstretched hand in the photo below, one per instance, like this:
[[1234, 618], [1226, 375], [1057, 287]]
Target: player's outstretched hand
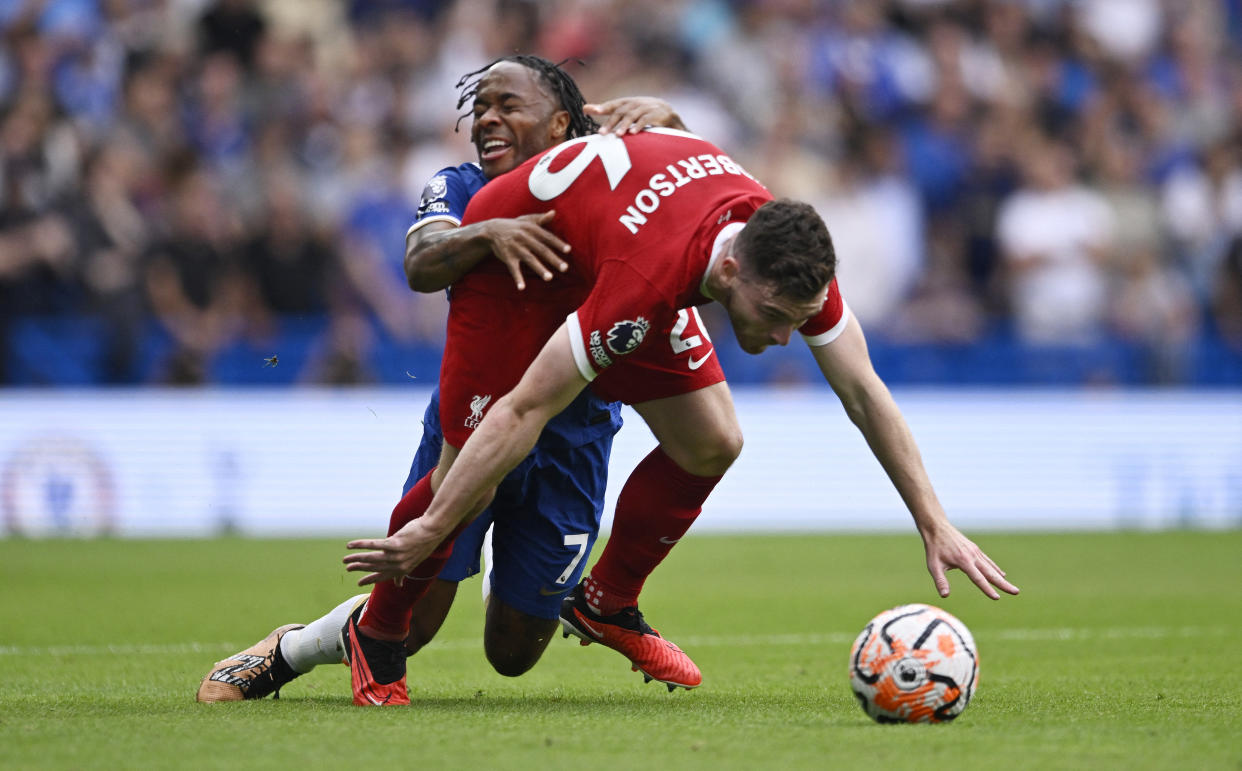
[[947, 549], [526, 241], [632, 114], [392, 558]]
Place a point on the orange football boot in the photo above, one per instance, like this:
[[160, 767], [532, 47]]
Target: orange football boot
[[376, 667], [627, 633]]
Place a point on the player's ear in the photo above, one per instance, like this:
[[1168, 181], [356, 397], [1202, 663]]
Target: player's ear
[[730, 268], [559, 125]]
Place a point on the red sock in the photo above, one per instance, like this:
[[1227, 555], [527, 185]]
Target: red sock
[[656, 507], [390, 607]]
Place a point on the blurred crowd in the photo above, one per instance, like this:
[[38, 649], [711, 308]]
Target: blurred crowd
[[1057, 172]]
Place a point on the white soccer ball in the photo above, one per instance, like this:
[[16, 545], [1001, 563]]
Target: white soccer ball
[[914, 664]]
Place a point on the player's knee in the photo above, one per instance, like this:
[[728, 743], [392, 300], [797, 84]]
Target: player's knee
[[712, 455], [730, 448], [511, 656], [514, 641], [510, 662]]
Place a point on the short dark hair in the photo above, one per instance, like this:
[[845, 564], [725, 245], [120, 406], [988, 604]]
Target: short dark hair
[[560, 86], [787, 246]]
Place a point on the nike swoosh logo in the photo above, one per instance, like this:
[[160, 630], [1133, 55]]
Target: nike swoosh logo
[[696, 363], [669, 541], [598, 634], [546, 592], [358, 664]]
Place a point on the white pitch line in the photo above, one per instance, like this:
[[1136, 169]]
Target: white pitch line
[[114, 650], [1010, 635], [1115, 633], [721, 641]]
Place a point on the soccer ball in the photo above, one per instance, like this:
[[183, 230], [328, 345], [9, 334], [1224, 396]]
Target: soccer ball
[[914, 664]]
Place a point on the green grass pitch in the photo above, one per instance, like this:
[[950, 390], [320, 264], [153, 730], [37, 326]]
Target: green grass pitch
[[1122, 652]]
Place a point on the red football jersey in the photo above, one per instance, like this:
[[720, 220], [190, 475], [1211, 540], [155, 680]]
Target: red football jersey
[[643, 215]]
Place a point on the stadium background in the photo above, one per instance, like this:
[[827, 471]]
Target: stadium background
[[204, 325]]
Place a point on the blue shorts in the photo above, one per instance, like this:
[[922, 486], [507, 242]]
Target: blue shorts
[[545, 519]]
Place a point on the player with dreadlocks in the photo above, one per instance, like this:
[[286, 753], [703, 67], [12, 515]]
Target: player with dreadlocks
[[563, 89], [521, 105], [546, 513]]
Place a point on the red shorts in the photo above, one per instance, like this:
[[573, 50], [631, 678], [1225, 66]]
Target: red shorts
[[495, 332]]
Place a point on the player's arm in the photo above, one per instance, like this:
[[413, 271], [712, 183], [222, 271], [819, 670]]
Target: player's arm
[[846, 366], [440, 253], [506, 436]]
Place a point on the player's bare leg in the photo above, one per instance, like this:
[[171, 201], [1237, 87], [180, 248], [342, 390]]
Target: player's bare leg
[[699, 431], [699, 439], [429, 614], [514, 641]]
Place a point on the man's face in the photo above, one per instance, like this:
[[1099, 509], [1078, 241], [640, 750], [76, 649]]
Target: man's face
[[514, 118], [760, 317]]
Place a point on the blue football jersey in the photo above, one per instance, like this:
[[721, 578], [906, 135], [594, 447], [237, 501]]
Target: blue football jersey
[[588, 418], [446, 194]]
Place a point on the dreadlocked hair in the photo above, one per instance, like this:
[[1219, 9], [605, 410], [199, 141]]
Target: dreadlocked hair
[[559, 83]]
